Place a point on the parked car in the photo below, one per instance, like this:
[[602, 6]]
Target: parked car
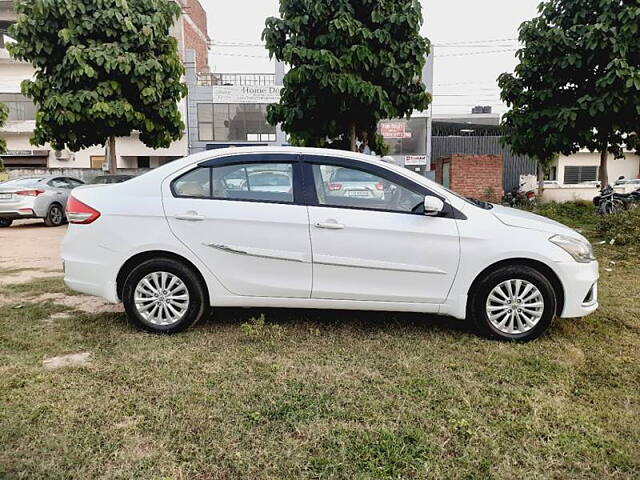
[[348, 182], [108, 179], [36, 197], [628, 181], [268, 182], [168, 250]]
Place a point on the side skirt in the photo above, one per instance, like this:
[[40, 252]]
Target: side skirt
[[329, 304]]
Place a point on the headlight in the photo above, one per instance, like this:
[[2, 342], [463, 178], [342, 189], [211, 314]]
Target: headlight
[[580, 250]]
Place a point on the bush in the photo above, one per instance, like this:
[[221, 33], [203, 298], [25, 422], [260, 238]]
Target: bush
[[621, 228], [572, 214]]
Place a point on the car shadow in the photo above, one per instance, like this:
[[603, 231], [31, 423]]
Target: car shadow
[[356, 319], [28, 225]]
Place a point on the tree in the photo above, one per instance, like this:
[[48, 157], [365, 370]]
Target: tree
[[103, 70], [578, 81], [352, 63], [4, 114]]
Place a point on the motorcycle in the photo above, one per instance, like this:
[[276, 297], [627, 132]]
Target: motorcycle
[[610, 202], [519, 197]]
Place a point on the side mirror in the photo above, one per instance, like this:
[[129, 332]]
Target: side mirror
[[433, 206]]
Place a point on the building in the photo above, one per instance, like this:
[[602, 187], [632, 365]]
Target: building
[[229, 109], [576, 177], [191, 32], [479, 134], [409, 140]]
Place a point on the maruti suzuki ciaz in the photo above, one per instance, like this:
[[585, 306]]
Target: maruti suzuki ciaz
[[204, 232]]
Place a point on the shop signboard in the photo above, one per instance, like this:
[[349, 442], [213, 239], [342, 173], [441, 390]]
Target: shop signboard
[[414, 160], [394, 130], [246, 94]]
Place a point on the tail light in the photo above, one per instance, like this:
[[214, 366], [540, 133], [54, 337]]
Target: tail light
[[333, 187], [30, 193], [531, 195], [80, 213], [380, 186]]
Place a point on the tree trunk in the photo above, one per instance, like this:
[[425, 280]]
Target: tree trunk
[[604, 171], [110, 156], [541, 173], [354, 146]]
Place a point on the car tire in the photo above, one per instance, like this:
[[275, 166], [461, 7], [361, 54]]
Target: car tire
[[513, 303], [162, 284], [5, 222], [55, 216]]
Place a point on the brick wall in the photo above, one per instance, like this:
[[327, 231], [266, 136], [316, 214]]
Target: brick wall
[[474, 175], [196, 32]]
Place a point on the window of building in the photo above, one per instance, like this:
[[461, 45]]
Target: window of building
[[580, 174], [143, 162], [97, 161], [20, 107], [552, 174], [235, 122]]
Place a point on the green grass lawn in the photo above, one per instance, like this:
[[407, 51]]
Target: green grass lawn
[[322, 394]]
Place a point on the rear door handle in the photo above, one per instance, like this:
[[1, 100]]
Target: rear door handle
[[330, 225], [190, 217]]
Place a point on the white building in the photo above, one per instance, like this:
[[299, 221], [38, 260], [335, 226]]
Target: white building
[[191, 32], [574, 177]]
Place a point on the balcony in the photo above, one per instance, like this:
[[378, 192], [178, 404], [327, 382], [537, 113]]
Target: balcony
[[206, 79]]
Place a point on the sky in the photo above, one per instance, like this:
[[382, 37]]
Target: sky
[[474, 42]]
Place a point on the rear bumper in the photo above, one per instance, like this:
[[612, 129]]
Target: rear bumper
[[18, 215], [89, 278], [580, 284]]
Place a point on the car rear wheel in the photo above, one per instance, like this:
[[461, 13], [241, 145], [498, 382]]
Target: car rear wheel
[[55, 216], [513, 303], [5, 222], [164, 296]]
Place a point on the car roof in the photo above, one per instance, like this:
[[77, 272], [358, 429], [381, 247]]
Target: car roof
[[148, 181]]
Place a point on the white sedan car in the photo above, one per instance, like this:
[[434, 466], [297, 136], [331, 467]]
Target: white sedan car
[[182, 238]]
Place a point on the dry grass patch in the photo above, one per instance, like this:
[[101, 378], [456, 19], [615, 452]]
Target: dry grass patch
[[299, 394]]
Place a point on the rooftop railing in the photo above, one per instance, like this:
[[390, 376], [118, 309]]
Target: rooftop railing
[[206, 79]]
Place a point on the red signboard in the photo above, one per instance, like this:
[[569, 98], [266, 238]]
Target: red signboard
[[394, 130]]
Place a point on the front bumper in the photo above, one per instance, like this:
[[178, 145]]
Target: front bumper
[[580, 284]]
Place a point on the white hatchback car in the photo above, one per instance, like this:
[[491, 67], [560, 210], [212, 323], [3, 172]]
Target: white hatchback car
[[188, 235]]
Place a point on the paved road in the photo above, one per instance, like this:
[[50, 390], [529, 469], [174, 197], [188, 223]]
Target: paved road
[[28, 244]]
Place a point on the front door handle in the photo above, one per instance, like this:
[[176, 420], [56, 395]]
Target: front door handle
[[330, 225], [190, 217]]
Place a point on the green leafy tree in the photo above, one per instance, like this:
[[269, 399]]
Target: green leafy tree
[[578, 81], [352, 63], [104, 69], [4, 114]]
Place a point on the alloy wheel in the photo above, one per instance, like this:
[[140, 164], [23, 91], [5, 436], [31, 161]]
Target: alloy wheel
[[161, 298], [515, 306], [56, 215]]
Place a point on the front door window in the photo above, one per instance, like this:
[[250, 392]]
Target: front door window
[[338, 186]]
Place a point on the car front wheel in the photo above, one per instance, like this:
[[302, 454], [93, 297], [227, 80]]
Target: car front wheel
[[164, 296], [513, 303]]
